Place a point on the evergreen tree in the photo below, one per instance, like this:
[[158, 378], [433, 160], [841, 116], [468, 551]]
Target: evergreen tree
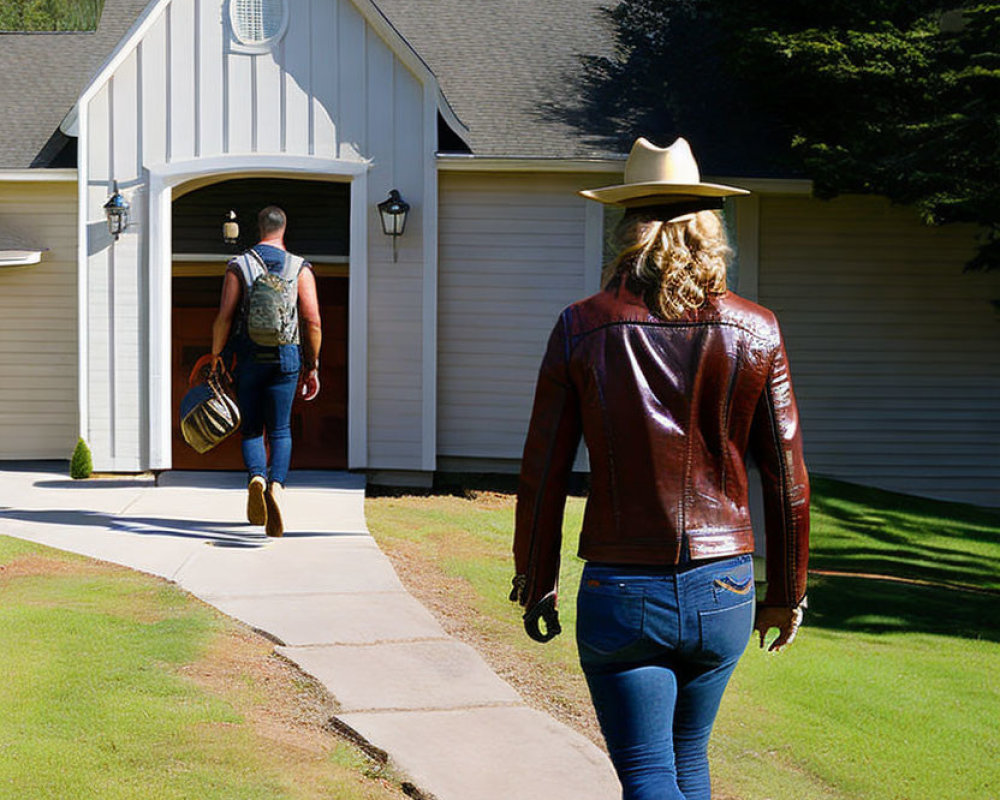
[[893, 97], [81, 464], [49, 15]]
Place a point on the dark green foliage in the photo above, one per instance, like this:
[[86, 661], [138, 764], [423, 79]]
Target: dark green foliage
[[888, 97], [50, 15], [81, 464]]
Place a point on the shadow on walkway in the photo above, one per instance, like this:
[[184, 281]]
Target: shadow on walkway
[[211, 531]]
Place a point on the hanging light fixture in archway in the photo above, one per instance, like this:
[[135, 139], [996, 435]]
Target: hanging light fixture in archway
[[231, 229]]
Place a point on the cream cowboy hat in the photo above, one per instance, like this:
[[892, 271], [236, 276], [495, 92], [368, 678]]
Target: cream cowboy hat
[[658, 176]]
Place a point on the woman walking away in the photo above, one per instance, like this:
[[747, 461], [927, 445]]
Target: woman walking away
[[671, 380]]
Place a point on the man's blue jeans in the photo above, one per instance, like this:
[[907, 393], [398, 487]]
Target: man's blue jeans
[[658, 647], [265, 393]]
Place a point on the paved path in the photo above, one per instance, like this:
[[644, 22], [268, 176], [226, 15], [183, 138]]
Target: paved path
[[332, 599]]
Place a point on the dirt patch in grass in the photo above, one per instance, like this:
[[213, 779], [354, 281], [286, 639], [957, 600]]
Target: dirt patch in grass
[[35, 565], [287, 711], [283, 713], [283, 705]]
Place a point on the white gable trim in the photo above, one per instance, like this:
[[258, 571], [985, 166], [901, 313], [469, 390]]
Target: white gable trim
[[400, 47]]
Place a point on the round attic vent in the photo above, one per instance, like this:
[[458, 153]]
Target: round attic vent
[[257, 22]]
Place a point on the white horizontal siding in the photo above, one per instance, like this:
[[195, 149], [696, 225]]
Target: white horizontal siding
[[38, 329], [895, 351], [511, 258]]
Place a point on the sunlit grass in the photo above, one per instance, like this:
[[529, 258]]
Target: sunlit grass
[[890, 691], [95, 698]]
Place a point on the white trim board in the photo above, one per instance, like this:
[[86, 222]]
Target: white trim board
[[162, 180], [429, 321], [462, 162], [38, 175], [19, 258], [453, 162]]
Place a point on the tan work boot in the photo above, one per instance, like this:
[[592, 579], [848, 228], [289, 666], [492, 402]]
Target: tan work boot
[[256, 507], [273, 497]]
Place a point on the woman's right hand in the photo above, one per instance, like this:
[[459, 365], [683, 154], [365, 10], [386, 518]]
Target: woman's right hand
[[786, 620]]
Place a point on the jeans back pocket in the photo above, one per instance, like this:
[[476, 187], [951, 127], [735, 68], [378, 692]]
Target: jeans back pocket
[[726, 631], [608, 616]]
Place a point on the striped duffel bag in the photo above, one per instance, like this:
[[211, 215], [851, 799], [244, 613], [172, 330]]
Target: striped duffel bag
[[209, 414]]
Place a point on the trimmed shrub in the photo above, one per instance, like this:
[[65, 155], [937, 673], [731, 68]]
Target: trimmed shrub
[[81, 464]]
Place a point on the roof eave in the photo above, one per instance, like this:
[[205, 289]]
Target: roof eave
[[612, 164]]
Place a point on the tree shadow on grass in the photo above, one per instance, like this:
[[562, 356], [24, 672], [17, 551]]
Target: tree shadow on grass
[[867, 605], [862, 529]]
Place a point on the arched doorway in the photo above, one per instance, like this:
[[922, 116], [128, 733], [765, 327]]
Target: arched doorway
[[319, 226]]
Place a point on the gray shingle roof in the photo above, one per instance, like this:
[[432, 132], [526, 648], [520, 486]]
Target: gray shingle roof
[[43, 74], [498, 62]]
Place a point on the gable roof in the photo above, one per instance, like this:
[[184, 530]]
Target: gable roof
[[503, 65], [43, 75], [500, 65]]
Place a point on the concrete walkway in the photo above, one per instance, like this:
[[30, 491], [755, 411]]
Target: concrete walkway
[[332, 599]]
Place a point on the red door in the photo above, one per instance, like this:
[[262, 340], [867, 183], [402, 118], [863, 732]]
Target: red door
[[319, 427]]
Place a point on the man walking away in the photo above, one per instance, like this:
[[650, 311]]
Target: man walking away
[[271, 294]]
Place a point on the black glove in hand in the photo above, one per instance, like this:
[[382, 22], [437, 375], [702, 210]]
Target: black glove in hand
[[519, 586], [545, 609]]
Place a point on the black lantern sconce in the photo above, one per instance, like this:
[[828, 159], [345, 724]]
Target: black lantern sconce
[[231, 229], [116, 210], [393, 213]]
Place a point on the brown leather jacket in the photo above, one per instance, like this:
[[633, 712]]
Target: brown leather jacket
[[668, 410]]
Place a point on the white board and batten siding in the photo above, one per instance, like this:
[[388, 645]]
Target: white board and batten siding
[[38, 327], [894, 350], [333, 88], [515, 249]]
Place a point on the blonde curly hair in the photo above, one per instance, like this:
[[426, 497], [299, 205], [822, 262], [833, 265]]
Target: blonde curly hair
[[674, 266]]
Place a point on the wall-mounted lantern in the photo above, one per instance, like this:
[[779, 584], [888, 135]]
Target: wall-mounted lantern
[[116, 210], [393, 213], [231, 229]]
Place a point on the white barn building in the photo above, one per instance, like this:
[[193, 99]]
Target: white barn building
[[197, 106]]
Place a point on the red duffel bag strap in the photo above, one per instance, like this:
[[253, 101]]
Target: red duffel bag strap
[[205, 364]]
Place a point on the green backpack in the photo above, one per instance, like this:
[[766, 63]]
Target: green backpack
[[271, 300]]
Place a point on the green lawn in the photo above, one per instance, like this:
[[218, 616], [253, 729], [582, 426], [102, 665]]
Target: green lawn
[[868, 530], [103, 694], [891, 690]]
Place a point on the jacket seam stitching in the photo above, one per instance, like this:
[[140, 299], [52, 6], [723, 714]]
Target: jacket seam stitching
[[725, 426], [790, 560], [613, 482], [532, 556], [688, 447], [578, 337]]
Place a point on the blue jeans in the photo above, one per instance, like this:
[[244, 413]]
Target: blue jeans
[[265, 393], [658, 646]]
